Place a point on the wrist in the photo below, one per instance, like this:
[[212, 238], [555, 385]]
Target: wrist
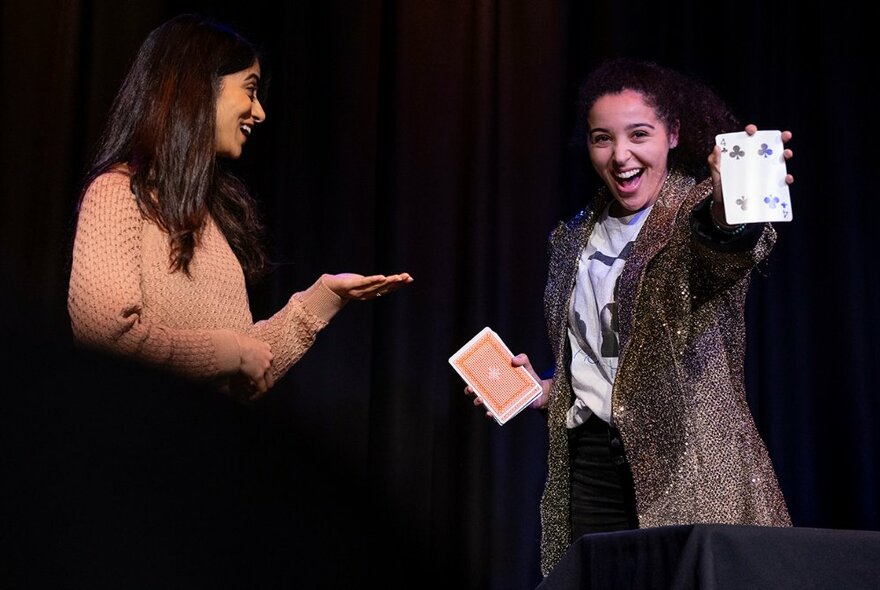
[[719, 220]]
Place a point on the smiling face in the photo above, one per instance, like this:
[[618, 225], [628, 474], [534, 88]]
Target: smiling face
[[629, 148], [238, 110]]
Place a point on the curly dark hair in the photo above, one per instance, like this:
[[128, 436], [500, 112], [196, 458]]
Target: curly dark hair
[[678, 100], [161, 125]]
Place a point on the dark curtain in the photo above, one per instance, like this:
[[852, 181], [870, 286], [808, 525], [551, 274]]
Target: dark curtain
[[429, 137]]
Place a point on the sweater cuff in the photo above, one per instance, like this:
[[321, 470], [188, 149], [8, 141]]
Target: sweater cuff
[[227, 351], [320, 300]]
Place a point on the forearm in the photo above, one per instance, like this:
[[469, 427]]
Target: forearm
[[293, 330]]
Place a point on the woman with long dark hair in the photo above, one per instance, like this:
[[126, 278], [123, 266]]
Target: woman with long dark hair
[[166, 237]]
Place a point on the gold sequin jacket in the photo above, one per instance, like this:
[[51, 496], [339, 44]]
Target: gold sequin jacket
[[679, 395]]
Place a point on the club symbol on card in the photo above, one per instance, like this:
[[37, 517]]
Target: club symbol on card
[[743, 202], [771, 201], [785, 210], [765, 151], [494, 373], [737, 153], [723, 145]]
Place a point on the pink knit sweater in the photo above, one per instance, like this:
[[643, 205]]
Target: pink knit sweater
[[123, 297]]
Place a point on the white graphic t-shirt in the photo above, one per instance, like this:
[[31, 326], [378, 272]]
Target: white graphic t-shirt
[[592, 317]]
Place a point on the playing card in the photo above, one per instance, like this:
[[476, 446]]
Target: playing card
[[753, 177], [485, 364]]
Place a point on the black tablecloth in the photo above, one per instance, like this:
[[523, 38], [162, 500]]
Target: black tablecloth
[[721, 557]]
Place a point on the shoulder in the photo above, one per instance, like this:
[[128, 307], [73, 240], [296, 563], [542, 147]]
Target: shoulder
[[701, 189], [112, 186], [109, 198], [579, 219], [111, 180], [573, 227]]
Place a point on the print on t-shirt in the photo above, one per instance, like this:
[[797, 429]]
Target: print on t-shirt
[[593, 316], [610, 346]]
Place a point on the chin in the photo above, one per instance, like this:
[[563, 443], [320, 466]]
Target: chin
[[228, 154], [631, 205]]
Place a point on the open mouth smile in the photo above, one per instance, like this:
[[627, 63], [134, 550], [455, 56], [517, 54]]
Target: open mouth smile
[[628, 178]]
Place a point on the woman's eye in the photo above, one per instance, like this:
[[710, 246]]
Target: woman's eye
[[599, 139]]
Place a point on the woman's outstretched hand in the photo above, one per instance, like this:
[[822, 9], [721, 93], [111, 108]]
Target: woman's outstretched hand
[[715, 171], [354, 286]]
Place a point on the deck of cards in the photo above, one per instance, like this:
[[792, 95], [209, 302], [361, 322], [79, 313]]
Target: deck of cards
[[753, 177], [485, 364]]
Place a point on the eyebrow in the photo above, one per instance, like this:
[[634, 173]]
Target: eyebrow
[[628, 127], [252, 76]]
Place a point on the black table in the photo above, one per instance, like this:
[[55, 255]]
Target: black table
[[721, 557]]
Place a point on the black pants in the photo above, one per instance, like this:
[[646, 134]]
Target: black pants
[[602, 496]]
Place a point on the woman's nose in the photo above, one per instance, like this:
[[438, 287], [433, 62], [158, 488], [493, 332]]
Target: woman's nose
[[621, 153], [257, 111]]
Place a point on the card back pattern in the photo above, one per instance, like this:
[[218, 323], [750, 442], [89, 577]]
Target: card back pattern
[[485, 364]]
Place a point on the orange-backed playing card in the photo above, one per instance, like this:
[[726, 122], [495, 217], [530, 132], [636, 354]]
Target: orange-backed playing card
[[485, 364]]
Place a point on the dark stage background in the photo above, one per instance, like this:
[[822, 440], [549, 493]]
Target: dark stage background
[[428, 137]]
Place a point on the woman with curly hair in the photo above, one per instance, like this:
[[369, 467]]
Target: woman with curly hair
[[166, 236], [647, 414]]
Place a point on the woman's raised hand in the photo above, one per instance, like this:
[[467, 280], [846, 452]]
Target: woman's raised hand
[[354, 286]]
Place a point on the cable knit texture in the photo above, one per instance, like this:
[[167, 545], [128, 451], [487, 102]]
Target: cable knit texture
[[679, 395], [124, 298]]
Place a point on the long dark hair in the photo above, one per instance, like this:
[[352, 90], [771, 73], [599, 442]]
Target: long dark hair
[[679, 101], [162, 126]]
